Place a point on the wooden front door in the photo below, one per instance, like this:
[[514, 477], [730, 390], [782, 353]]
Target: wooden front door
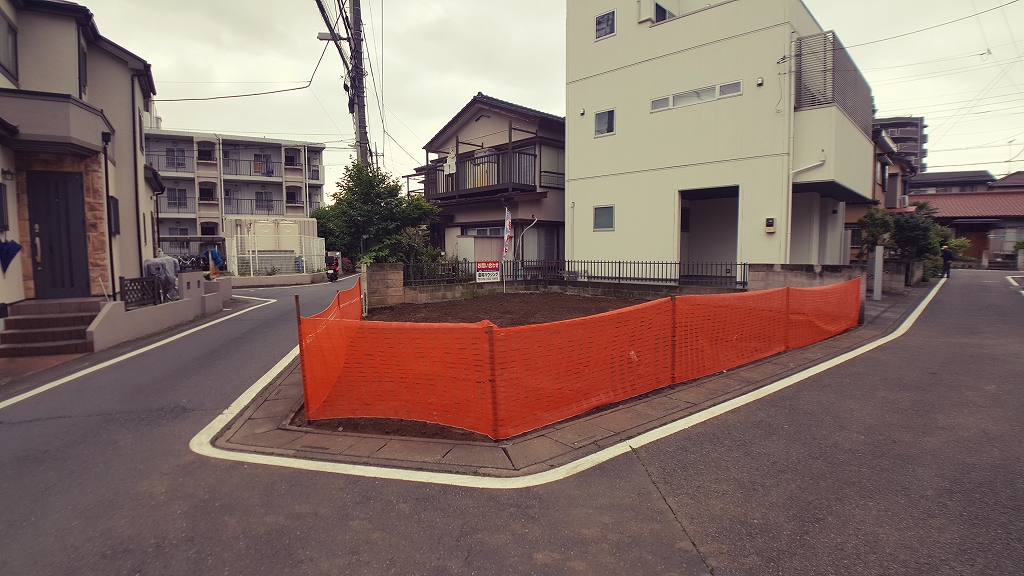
[[56, 211]]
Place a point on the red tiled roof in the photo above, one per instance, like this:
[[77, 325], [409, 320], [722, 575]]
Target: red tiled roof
[[978, 205]]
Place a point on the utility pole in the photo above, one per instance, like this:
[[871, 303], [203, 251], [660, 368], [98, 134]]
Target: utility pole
[[357, 81], [356, 84]]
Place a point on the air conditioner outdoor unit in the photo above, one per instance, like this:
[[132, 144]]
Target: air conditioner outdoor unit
[[904, 201]]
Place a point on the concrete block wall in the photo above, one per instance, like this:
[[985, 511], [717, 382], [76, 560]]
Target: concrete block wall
[[384, 284], [770, 276]]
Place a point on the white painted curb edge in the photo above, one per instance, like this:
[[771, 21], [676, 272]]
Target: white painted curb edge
[[201, 444]]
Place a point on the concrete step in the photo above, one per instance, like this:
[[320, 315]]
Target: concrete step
[[65, 306], [42, 335], [45, 349], [1002, 265], [42, 321]]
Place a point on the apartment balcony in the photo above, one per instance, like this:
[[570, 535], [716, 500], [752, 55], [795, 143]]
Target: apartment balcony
[[482, 174], [251, 169], [314, 173], [250, 207], [165, 164], [177, 205]]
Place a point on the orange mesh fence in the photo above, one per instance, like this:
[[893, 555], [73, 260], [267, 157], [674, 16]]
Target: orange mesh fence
[[720, 332], [819, 313], [549, 372], [505, 381]]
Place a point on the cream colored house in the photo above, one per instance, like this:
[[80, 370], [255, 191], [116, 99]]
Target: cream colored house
[[76, 196], [711, 131], [490, 156]]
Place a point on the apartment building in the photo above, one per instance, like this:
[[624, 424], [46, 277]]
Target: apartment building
[[74, 193], [223, 187], [711, 131], [908, 134]]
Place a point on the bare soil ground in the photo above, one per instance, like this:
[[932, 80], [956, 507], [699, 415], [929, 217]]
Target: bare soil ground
[[505, 310]]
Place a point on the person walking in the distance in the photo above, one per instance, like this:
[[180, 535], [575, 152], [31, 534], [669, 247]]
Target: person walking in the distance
[[947, 261]]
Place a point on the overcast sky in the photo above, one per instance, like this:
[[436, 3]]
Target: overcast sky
[[430, 57]]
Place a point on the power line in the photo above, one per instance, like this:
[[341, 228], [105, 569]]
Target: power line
[[932, 27], [308, 84]]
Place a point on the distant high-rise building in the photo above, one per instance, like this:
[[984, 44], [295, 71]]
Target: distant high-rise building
[[907, 132]]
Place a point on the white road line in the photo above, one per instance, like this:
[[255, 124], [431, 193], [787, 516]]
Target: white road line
[[202, 442], [294, 285], [112, 361], [1014, 282]]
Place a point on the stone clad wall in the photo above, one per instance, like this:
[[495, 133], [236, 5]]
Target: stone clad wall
[[95, 215]]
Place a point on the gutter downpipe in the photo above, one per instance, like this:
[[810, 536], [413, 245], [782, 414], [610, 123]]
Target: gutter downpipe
[[791, 114], [135, 163], [572, 238]]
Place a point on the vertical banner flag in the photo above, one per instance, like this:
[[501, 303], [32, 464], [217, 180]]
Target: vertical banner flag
[[508, 232]]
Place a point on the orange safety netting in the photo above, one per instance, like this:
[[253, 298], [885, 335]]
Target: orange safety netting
[[505, 381]]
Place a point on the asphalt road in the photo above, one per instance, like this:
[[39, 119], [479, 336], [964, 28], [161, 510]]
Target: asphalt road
[[906, 460]]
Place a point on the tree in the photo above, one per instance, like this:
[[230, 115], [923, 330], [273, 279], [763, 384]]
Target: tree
[[914, 236], [371, 220], [875, 228]]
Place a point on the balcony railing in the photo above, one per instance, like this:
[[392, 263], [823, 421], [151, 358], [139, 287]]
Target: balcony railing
[[552, 179], [164, 163], [177, 205], [314, 172], [248, 206], [483, 171], [234, 167]]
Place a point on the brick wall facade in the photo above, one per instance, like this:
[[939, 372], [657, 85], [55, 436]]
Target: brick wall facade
[[95, 214]]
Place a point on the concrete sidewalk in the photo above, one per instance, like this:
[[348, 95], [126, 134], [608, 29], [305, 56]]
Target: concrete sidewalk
[[264, 427]]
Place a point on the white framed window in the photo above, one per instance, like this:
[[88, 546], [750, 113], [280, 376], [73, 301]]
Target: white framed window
[[698, 96], [605, 25], [483, 231], [604, 123], [604, 218], [730, 89]]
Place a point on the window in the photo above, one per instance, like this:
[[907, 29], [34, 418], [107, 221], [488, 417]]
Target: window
[[83, 69], [205, 155], [604, 218], [552, 167], [4, 224], [291, 160], [604, 123], [730, 89], [176, 197], [693, 97], [8, 49], [293, 195], [207, 194], [208, 228], [176, 231], [113, 216], [175, 158], [661, 13], [661, 104], [264, 201], [606, 24], [483, 231]]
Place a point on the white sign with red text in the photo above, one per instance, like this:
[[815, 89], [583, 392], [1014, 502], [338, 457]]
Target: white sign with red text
[[488, 271]]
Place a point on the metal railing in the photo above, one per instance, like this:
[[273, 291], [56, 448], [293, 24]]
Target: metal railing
[[177, 205], [482, 171], [235, 167], [826, 75], [313, 172], [164, 163], [712, 274], [552, 179], [139, 292], [249, 206]]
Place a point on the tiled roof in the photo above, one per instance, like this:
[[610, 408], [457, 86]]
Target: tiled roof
[[981, 205], [1015, 180], [963, 177]]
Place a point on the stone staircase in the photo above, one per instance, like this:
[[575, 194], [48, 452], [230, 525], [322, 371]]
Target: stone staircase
[[1002, 265], [48, 327]]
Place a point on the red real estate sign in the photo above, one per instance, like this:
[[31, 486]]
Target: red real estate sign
[[488, 271]]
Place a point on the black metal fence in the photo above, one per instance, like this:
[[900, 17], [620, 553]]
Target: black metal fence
[[713, 274], [139, 292]]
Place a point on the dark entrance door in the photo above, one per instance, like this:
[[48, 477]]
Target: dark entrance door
[[56, 212]]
